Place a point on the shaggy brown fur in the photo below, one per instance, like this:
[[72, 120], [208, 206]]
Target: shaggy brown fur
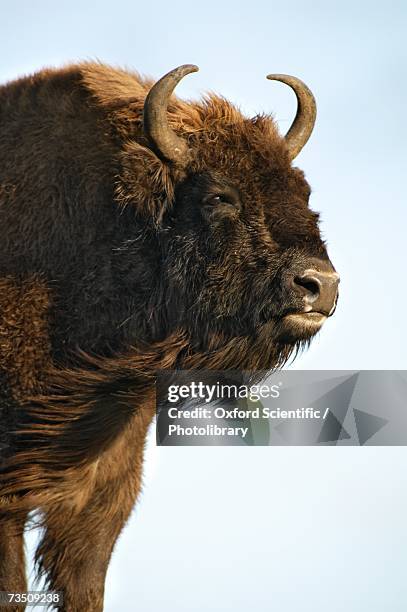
[[24, 343], [112, 268]]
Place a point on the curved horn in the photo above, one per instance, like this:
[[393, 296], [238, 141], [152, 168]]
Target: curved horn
[[304, 121], [155, 123]]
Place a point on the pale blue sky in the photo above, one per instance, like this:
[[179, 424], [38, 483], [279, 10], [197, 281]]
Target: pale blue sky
[[282, 529]]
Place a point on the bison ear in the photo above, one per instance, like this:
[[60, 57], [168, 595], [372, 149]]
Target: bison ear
[[144, 181]]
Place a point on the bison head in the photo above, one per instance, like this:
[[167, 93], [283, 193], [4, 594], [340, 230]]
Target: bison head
[[245, 270]]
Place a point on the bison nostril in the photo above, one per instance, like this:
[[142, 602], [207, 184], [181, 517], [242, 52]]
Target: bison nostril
[[317, 288], [313, 288], [307, 285]]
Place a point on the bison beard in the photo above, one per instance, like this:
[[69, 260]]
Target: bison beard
[[138, 232]]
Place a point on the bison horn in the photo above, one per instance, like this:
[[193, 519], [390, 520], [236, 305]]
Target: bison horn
[[155, 122], [304, 121]]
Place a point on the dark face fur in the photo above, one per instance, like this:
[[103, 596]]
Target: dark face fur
[[233, 244]]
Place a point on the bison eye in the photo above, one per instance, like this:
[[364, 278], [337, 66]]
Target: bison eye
[[219, 199]]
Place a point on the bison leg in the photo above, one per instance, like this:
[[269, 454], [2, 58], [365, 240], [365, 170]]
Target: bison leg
[[76, 547], [77, 544], [12, 560]]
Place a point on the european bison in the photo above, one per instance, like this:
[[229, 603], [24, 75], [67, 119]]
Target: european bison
[[137, 232]]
